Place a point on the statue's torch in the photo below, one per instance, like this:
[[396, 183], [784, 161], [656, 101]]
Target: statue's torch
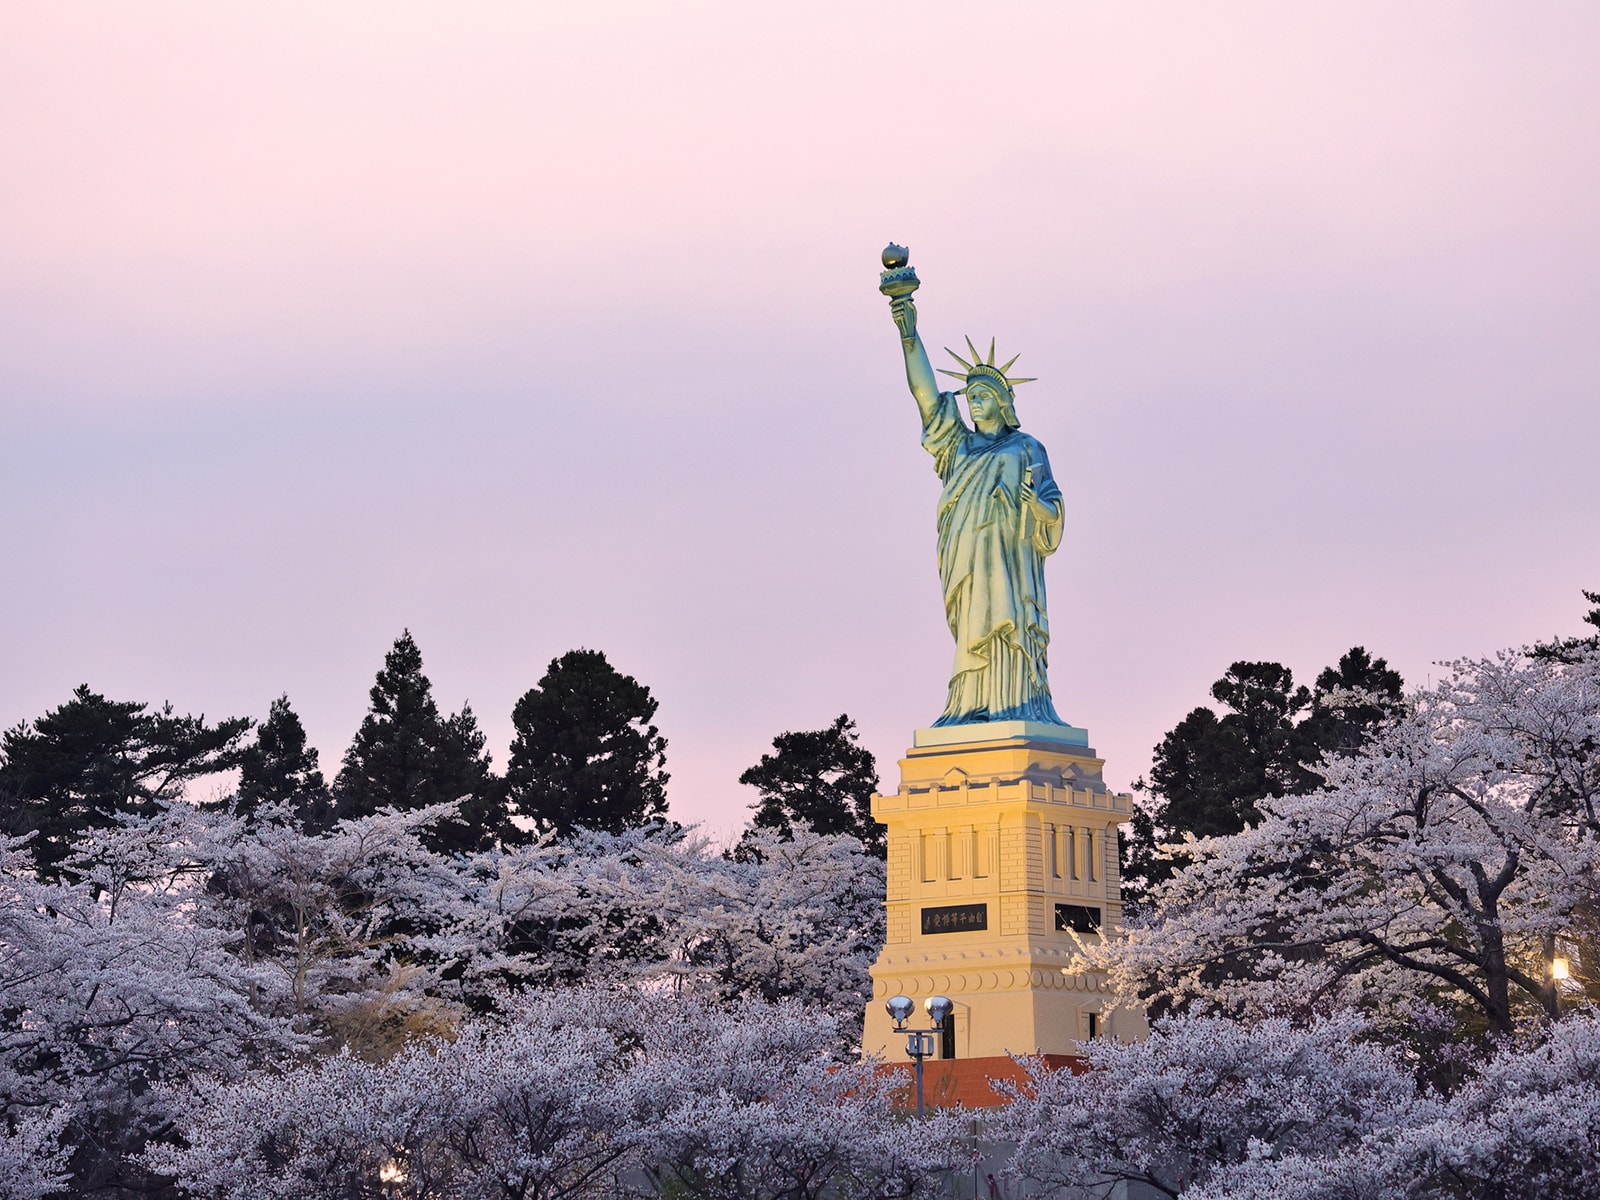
[[899, 278]]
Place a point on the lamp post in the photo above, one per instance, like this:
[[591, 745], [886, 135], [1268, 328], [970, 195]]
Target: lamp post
[[919, 1042], [1558, 969], [391, 1175]]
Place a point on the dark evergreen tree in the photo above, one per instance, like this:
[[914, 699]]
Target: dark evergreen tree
[[1210, 773], [406, 756], [279, 767], [823, 777], [1253, 753], [584, 752], [1352, 700], [461, 772], [79, 765], [1566, 648], [390, 761]]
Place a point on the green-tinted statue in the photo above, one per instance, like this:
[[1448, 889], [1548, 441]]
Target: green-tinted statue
[[1000, 515]]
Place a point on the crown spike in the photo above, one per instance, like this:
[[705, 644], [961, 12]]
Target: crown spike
[[952, 374], [976, 357], [991, 353], [1030, 379], [1007, 367], [958, 358]]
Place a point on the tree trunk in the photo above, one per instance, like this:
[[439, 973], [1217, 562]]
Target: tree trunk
[[1496, 983]]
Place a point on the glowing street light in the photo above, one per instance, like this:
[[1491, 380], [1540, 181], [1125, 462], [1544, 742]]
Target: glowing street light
[[390, 1175], [919, 1042]]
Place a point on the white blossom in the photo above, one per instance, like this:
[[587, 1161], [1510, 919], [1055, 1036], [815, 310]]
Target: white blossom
[[1529, 1125], [33, 1162], [573, 1093], [1200, 1096], [760, 1108], [660, 909], [108, 986]]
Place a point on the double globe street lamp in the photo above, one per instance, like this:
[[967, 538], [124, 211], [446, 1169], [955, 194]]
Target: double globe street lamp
[[919, 1042]]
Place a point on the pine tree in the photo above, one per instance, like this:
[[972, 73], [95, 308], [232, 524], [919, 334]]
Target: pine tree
[[390, 762], [279, 767], [78, 766], [406, 756], [823, 777], [461, 772], [1568, 649], [1353, 700], [584, 752], [1211, 771]]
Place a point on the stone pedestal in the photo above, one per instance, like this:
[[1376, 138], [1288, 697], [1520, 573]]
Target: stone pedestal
[[1002, 840]]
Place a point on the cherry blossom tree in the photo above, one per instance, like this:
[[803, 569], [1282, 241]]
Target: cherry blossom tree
[[657, 907], [189, 955], [801, 918], [1201, 1096], [1449, 858], [109, 987], [1527, 1126], [763, 1110], [545, 1104], [572, 1093], [341, 929], [184, 944], [33, 1162]]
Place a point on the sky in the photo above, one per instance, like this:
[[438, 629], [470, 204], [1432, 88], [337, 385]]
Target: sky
[[535, 326]]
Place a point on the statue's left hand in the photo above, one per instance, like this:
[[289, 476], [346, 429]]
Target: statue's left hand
[[1030, 499]]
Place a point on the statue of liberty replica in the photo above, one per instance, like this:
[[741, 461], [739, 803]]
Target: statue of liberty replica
[[1002, 835], [1000, 516]]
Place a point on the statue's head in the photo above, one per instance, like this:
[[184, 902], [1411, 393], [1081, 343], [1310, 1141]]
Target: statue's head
[[987, 387], [990, 399]]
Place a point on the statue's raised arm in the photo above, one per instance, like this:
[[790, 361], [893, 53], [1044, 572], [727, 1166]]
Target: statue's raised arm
[[898, 282], [1000, 515]]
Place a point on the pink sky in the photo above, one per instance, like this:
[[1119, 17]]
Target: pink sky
[[538, 326]]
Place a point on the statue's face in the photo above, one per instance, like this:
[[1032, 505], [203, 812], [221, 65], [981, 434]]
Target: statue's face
[[983, 402]]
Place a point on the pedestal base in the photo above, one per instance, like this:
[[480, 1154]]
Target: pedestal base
[[1002, 852]]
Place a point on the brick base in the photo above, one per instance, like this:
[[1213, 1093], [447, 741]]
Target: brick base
[[949, 1082]]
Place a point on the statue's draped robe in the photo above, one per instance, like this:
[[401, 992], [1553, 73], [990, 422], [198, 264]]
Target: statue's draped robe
[[991, 563]]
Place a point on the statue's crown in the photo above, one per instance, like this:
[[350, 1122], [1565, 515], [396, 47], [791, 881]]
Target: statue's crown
[[979, 369]]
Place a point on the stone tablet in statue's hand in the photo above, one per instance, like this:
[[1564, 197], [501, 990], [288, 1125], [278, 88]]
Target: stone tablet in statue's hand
[[905, 316]]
